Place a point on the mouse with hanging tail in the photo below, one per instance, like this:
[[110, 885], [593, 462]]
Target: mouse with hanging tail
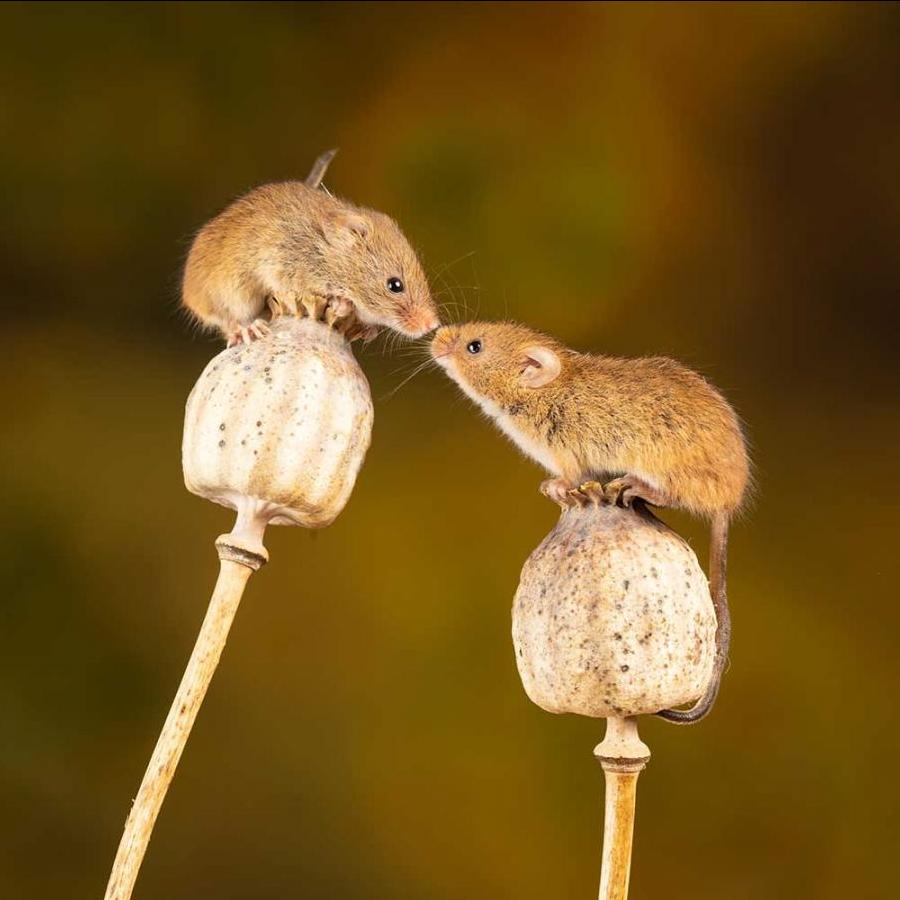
[[292, 248], [650, 430]]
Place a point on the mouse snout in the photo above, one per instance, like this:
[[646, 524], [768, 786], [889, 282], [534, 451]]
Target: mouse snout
[[422, 321], [444, 341]]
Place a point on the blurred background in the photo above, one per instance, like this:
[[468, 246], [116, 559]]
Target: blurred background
[[716, 182]]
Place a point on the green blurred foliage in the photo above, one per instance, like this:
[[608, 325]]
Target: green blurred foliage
[[713, 181]]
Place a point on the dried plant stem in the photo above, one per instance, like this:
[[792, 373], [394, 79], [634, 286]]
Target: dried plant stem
[[240, 553], [623, 755]]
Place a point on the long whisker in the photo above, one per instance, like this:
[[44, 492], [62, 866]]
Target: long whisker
[[443, 268], [420, 368]]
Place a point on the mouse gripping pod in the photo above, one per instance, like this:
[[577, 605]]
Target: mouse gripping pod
[[613, 618], [276, 430]]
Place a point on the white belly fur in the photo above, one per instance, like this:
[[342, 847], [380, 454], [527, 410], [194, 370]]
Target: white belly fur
[[534, 449], [507, 425]]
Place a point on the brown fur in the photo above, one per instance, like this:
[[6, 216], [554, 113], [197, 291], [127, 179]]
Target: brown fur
[[291, 242], [604, 416], [651, 420]]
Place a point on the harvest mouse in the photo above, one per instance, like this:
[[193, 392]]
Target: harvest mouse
[[295, 249], [660, 431]]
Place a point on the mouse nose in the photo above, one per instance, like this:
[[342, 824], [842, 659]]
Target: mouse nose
[[431, 321], [443, 341], [423, 321]]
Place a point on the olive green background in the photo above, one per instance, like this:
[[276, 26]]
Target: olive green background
[[714, 182]]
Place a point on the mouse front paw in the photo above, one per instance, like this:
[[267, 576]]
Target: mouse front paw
[[338, 313]]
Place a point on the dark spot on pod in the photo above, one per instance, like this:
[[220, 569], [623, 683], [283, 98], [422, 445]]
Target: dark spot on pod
[[623, 668], [617, 636], [258, 424], [221, 443], [222, 427], [626, 584]]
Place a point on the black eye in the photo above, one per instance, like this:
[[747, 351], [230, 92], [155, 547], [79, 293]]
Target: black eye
[[474, 347], [395, 285]]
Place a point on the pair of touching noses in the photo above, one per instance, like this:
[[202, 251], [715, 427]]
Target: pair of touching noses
[[650, 429]]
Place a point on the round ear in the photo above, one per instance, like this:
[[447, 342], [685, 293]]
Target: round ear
[[541, 365], [343, 227]]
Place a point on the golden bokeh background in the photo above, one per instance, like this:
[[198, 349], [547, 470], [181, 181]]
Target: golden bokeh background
[[717, 182]]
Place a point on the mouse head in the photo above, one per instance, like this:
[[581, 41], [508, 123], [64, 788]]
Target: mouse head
[[499, 364], [369, 256]]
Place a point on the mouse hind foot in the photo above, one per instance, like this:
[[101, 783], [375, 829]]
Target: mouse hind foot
[[246, 334], [281, 306], [558, 490], [572, 493], [625, 490]]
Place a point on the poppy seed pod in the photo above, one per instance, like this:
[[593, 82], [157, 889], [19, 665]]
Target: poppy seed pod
[[613, 616], [276, 430], [286, 420]]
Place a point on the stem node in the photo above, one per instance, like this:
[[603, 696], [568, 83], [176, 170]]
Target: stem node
[[241, 553], [623, 756]]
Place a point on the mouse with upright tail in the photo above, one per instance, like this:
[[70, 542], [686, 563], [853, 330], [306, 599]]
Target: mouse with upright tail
[[649, 429], [293, 248]]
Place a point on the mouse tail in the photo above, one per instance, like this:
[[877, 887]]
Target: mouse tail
[[320, 167], [718, 560]]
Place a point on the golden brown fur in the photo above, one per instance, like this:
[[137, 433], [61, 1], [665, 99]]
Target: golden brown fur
[[651, 427], [604, 416], [291, 242]]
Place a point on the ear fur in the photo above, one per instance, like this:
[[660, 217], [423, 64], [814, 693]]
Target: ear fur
[[344, 226], [541, 366]]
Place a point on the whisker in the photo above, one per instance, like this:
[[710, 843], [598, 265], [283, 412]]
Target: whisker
[[420, 368], [443, 268]]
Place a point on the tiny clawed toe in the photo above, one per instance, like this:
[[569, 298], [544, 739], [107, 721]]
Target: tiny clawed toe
[[592, 491], [618, 493], [563, 494], [588, 493]]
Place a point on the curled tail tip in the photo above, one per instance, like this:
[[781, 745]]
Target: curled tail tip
[[698, 711], [684, 716]]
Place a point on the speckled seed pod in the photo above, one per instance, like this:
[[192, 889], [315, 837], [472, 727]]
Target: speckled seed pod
[[613, 616], [286, 419]]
